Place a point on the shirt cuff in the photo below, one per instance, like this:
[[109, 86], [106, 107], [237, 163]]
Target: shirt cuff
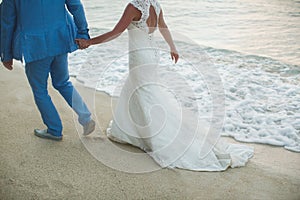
[[83, 34], [6, 57]]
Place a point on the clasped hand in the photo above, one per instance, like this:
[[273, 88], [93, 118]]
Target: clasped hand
[[82, 43]]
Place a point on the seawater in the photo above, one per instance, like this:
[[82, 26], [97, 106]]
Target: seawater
[[253, 46]]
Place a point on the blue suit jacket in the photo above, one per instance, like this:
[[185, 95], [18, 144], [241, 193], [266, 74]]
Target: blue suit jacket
[[36, 29], [0, 27]]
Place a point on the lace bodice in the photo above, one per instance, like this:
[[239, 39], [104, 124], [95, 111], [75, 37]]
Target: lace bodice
[[144, 6]]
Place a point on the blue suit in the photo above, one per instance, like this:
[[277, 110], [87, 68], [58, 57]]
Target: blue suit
[[36, 29], [0, 24], [42, 32]]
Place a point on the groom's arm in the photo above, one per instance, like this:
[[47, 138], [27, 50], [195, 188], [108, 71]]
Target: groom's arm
[[8, 23], [75, 7]]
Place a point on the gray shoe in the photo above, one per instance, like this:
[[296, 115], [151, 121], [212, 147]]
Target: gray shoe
[[89, 127], [44, 134]]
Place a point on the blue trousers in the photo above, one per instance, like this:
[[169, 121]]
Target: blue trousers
[[37, 73]]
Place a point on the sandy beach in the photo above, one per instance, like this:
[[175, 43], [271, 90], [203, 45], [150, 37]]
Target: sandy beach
[[34, 168]]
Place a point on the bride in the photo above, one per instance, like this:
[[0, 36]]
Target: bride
[[147, 114]]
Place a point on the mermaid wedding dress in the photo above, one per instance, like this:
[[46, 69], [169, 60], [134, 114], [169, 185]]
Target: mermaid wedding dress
[[148, 116]]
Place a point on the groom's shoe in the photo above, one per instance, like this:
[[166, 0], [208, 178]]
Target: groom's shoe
[[45, 134], [89, 127]]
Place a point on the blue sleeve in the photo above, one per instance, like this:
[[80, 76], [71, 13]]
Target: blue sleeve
[[0, 29], [75, 7], [8, 23]]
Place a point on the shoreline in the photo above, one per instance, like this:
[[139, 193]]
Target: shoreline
[[34, 168]]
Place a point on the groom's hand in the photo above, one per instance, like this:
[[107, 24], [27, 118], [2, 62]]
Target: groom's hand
[[8, 64], [82, 43]]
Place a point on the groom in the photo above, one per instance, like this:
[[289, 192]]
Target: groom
[[42, 32]]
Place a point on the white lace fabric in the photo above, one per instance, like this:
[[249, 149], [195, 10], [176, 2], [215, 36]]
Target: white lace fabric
[[144, 6]]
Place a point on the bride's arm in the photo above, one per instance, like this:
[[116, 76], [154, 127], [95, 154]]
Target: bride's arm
[[164, 30], [130, 13]]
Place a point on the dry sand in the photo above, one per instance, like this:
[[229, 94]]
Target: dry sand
[[35, 168]]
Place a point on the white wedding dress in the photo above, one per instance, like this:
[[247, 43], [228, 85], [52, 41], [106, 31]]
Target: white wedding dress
[[148, 116]]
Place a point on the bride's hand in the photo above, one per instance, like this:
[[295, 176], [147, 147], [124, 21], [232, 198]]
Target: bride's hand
[[174, 55], [82, 43]]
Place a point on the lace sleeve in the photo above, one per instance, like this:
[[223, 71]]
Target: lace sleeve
[[139, 5]]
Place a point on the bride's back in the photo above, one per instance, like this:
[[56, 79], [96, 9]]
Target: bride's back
[[149, 13], [152, 19]]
